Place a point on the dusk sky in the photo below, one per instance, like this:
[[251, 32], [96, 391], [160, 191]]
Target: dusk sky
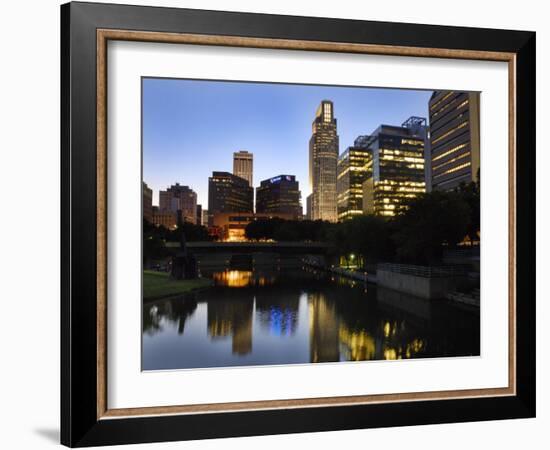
[[191, 128]]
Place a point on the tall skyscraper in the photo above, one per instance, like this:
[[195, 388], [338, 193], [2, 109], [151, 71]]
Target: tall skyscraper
[[179, 198], [454, 138], [229, 193], [279, 194], [351, 174], [243, 164], [323, 158], [395, 167]]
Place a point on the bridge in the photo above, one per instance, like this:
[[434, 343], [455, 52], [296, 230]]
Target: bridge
[[301, 248], [263, 253]]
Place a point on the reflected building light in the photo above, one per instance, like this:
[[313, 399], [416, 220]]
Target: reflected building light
[[243, 278], [356, 345], [231, 319], [387, 328], [410, 350], [324, 325], [390, 328], [391, 354], [233, 278], [282, 321]]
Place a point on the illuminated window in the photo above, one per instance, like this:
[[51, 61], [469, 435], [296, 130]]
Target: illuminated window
[[411, 142], [463, 155], [448, 133], [454, 169], [448, 152], [436, 104]]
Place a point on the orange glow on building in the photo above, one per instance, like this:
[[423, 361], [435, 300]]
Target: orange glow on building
[[231, 226]]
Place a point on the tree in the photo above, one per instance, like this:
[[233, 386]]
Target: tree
[[263, 228], [337, 235], [366, 237], [153, 241], [430, 222], [370, 237], [287, 231], [192, 232], [471, 194]]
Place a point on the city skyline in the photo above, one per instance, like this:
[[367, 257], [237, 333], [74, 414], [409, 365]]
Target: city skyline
[[183, 119], [255, 283]]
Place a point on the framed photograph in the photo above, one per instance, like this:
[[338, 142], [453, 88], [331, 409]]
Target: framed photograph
[[276, 224]]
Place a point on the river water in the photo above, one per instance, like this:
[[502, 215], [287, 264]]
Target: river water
[[299, 316]]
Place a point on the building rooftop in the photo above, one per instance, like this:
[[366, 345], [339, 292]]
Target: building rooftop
[[278, 179]]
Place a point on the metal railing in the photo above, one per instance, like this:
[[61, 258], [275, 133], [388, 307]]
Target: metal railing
[[425, 271], [467, 252]]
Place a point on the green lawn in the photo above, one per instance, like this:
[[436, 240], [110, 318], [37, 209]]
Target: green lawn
[[158, 284]]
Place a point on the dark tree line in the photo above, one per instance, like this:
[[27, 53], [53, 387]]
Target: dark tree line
[[431, 223], [287, 230], [419, 234], [155, 237]]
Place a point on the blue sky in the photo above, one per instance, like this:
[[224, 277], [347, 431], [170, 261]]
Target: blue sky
[[192, 127]]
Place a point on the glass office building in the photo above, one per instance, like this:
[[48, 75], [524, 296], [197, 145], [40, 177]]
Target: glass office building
[[395, 167], [279, 194], [351, 173], [228, 193], [454, 138]]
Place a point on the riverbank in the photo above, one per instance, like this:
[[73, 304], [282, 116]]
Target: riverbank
[[432, 283], [354, 274], [358, 275], [158, 285]]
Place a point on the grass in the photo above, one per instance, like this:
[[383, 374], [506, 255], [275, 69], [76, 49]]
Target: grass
[[158, 284]]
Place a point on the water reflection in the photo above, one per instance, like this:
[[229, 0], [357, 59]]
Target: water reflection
[[357, 345], [243, 278], [274, 317], [278, 316], [232, 319], [324, 323], [175, 312]]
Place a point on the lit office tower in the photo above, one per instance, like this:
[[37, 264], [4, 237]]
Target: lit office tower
[[323, 158], [179, 198], [454, 137], [351, 174], [395, 167], [279, 195], [229, 193], [243, 163]]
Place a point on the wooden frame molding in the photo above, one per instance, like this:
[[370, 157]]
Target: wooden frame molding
[[103, 36]]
